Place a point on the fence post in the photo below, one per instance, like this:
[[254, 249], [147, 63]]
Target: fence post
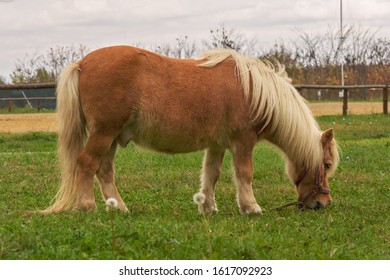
[[345, 102], [9, 105], [386, 99], [299, 89]]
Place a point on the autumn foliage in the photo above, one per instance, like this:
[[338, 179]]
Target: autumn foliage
[[310, 59]]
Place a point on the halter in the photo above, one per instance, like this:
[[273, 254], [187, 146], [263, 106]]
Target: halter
[[317, 188]]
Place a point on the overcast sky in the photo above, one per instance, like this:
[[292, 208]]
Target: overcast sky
[[29, 26]]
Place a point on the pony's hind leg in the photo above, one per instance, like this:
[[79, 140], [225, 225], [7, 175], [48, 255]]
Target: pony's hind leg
[[88, 163], [243, 172], [212, 167], [105, 175]]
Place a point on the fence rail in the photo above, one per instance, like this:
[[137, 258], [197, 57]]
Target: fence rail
[[37, 99], [27, 86], [345, 89]]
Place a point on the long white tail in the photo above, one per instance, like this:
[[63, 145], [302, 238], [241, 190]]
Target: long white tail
[[71, 137]]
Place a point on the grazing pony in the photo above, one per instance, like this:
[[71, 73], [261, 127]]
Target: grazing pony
[[223, 101]]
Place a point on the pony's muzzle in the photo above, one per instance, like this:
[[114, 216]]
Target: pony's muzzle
[[319, 205], [315, 204], [322, 204]]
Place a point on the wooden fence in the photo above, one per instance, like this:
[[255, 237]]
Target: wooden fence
[[38, 100], [345, 89], [10, 100]]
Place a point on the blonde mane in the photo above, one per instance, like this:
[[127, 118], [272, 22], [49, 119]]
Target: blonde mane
[[277, 104]]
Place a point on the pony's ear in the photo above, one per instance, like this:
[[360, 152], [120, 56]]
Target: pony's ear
[[327, 136]]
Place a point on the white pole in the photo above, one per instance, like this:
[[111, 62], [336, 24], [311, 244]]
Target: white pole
[[341, 43], [25, 97]]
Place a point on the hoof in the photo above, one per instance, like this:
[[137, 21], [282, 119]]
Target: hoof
[[121, 208], [251, 210], [87, 206], [207, 209]]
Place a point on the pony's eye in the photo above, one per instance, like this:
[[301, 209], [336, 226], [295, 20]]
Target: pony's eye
[[327, 166]]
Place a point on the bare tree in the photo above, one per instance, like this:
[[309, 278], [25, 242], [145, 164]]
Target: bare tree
[[230, 38], [315, 50], [60, 56], [183, 48], [39, 68], [284, 54], [163, 49], [223, 37], [312, 58], [380, 52], [320, 54]]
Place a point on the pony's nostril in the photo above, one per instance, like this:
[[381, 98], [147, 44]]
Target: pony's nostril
[[319, 205]]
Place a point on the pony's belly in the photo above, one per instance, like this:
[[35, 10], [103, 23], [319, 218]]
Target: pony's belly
[[166, 142], [170, 145], [170, 149]]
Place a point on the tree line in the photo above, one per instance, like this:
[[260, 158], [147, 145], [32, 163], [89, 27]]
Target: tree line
[[309, 59]]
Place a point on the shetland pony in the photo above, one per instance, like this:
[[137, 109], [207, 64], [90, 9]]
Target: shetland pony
[[223, 101]]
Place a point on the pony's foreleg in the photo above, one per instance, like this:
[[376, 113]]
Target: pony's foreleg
[[105, 175], [243, 172], [88, 163], [212, 167]]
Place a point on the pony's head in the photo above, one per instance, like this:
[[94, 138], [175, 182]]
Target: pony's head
[[312, 184]]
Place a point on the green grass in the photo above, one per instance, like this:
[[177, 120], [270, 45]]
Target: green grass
[[24, 110], [163, 222]]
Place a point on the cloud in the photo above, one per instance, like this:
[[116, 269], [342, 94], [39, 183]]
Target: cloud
[[28, 26], [90, 6]]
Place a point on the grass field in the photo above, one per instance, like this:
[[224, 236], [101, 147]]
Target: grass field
[[163, 222], [24, 110]]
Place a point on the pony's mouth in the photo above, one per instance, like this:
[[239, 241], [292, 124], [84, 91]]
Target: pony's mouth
[[315, 205]]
